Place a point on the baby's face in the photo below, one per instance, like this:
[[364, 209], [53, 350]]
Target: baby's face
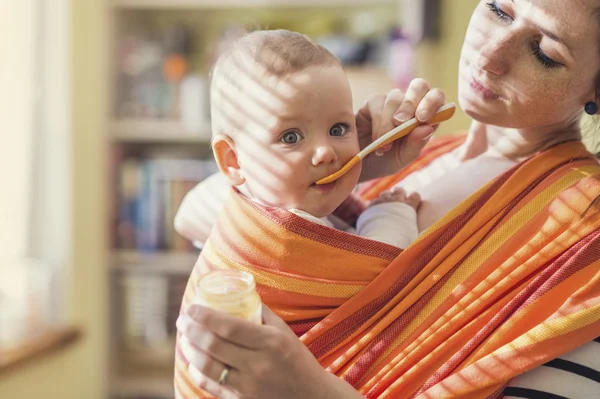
[[298, 130]]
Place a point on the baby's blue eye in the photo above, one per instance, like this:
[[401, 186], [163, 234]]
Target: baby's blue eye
[[291, 138], [338, 130]]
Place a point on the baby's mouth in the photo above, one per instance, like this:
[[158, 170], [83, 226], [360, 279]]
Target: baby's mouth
[[323, 187]]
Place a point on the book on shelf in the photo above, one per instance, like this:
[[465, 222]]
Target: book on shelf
[[146, 307], [149, 193], [150, 305]]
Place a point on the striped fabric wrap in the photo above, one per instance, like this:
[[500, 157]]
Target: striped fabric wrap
[[507, 281]]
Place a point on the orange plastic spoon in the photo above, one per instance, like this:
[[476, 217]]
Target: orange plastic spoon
[[444, 113]]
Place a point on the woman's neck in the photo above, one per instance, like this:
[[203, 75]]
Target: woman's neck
[[513, 144]]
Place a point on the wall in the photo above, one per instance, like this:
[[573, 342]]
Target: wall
[[17, 49], [80, 371], [438, 61]]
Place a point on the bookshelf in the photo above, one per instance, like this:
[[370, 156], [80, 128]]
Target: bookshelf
[[156, 157], [145, 385], [159, 262], [147, 130]]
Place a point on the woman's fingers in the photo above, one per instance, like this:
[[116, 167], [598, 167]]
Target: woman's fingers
[[416, 91], [385, 122], [429, 105], [429, 101], [271, 319], [229, 328], [280, 364], [212, 345], [393, 102], [209, 385], [420, 136], [207, 364], [413, 144], [398, 107], [373, 110]]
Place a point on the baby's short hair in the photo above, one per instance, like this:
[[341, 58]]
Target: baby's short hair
[[277, 53]]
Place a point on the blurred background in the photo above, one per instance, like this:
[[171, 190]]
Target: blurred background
[[106, 127]]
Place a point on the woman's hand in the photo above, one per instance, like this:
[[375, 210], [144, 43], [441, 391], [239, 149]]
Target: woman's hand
[[382, 112], [265, 361]]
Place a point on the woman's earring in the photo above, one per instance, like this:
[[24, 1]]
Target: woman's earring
[[591, 108]]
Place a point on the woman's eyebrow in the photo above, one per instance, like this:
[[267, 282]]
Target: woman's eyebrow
[[551, 35]]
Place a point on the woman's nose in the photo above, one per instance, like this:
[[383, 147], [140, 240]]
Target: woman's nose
[[324, 154], [496, 54]]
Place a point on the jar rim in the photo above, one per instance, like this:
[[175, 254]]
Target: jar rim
[[211, 284]]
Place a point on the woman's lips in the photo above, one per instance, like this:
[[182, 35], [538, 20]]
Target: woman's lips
[[482, 91]]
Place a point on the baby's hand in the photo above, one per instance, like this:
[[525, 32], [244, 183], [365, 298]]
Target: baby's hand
[[397, 194]]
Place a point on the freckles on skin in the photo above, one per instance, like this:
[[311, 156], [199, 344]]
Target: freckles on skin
[[532, 95], [552, 97], [544, 103]]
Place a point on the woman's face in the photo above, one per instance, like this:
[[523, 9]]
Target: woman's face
[[530, 63]]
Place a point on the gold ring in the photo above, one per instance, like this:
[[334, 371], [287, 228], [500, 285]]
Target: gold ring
[[224, 375]]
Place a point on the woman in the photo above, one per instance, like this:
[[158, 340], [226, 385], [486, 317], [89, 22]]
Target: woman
[[528, 71]]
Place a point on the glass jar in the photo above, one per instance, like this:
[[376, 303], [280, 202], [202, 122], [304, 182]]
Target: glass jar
[[232, 292]]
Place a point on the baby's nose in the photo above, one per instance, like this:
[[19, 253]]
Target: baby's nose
[[324, 155]]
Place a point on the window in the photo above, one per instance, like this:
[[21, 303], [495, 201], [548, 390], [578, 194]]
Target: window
[[35, 209]]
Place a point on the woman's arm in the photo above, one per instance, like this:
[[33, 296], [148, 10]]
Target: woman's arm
[[266, 361]]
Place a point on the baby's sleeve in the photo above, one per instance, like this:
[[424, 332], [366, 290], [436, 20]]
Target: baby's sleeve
[[393, 223], [199, 209]]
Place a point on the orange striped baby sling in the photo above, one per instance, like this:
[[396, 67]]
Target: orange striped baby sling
[[508, 280]]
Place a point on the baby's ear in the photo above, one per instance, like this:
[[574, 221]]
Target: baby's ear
[[227, 160]]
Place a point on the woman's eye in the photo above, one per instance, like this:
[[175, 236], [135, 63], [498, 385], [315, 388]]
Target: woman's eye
[[493, 6], [543, 59], [338, 130], [291, 137]]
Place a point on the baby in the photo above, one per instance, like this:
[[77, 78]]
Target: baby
[[282, 118]]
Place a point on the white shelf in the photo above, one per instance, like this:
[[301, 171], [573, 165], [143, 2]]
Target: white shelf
[[143, 130], [159, 262], [246, 3]]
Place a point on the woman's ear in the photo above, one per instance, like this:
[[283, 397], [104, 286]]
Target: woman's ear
[[227, 160]]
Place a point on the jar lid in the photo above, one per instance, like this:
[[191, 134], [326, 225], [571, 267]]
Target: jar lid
[[226, 285]]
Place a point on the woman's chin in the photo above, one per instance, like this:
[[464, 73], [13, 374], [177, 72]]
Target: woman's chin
[[481, 112]]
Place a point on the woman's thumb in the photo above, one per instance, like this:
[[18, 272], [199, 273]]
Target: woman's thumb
[[271, 319], [415, 142]]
